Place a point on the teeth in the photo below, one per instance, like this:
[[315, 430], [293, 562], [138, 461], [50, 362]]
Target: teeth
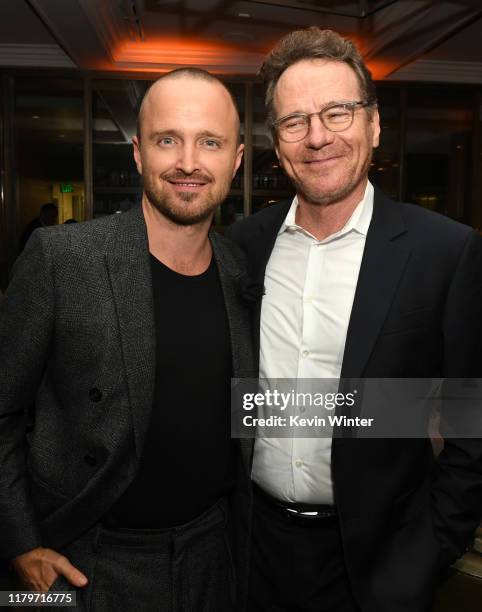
[[189, 184]]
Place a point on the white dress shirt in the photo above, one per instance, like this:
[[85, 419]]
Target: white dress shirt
[[309, 289]]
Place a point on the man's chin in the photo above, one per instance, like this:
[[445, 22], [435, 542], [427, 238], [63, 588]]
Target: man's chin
[[324, 197], [328, 194], [185, 218], [184, 211]]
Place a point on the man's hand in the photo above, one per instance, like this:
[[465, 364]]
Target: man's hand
[[40, 567]]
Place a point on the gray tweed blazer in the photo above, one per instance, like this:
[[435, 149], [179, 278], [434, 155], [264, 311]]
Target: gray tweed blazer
[[77, 344]]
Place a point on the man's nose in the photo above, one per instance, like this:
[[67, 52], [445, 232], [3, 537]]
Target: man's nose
[[187, 160], [318, 135]]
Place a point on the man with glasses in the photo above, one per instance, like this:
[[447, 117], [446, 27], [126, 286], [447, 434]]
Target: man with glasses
[[356, 286]]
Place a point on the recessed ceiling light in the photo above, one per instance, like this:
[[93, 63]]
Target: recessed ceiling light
[[61, 135], [245, 15], [35, 117]]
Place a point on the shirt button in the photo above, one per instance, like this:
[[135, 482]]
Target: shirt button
[[299, 463], [305, 353]]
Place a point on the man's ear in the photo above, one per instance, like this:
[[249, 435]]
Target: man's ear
[[238, 158], [375, 123], [137, 153], [276, 150]]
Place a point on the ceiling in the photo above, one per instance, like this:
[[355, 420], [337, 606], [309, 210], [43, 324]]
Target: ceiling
[[401, 40], [404, 39]]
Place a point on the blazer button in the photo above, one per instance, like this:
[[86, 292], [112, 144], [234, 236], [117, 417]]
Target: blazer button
[[95, 395], [90, 460]]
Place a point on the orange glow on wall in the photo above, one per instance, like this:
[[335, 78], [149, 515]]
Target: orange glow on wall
[[380, 69], [171, 51], [163, 53]]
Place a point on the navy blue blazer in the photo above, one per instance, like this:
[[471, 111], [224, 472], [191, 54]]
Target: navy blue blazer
[[417, 313]]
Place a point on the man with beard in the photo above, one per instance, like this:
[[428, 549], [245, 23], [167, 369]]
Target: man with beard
[[125, 332], [356, 286]]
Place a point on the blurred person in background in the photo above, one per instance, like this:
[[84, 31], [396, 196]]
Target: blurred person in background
[[48, 216]]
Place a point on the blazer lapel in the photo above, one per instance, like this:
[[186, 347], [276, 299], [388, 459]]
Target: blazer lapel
[[384, 259], [127, 258], [230, 273], [259, 250]]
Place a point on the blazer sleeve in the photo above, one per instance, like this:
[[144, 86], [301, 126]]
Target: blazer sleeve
[[26, 325], [457, 475]]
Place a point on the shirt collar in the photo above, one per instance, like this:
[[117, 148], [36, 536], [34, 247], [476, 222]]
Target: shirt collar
[[359, 220]]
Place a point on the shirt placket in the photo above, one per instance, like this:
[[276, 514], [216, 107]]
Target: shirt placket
[[306, 350]]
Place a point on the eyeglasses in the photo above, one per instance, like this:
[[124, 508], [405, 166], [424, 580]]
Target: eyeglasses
[[335, 117]]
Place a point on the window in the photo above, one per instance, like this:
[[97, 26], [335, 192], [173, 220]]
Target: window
[[49, 137], [438, 149]]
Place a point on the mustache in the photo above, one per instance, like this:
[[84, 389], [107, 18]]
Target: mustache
[[182, 176], [320, 156]]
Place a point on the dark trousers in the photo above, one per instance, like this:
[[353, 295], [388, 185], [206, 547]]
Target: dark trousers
[[186, 569], [297, 563]]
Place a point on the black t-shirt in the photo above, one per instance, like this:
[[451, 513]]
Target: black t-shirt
[[186, 463]]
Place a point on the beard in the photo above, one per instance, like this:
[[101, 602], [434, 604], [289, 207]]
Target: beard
[[185, 208], [337, 193]]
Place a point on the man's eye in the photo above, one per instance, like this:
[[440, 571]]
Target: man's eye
[[166, 141], [337, 114], [293, 123], [211, 144]]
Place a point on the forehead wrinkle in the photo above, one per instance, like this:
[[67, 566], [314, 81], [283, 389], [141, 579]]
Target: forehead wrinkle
[[308, 81]]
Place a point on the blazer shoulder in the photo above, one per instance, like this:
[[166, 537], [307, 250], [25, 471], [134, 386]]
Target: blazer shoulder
[[114, 233], [268, 217], [89, 235], [433, 228], [415, 214]]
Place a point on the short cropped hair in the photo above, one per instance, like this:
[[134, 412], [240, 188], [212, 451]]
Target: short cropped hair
[[313, 43], [194, 73]]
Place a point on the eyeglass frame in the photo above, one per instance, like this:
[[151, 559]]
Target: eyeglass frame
[[351, 105]]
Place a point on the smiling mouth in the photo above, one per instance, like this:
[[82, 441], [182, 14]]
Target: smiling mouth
[[187, 184], [322, 161]]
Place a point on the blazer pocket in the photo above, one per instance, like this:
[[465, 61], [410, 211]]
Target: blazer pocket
[[409, 321], [46, 499], [39, 481]]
